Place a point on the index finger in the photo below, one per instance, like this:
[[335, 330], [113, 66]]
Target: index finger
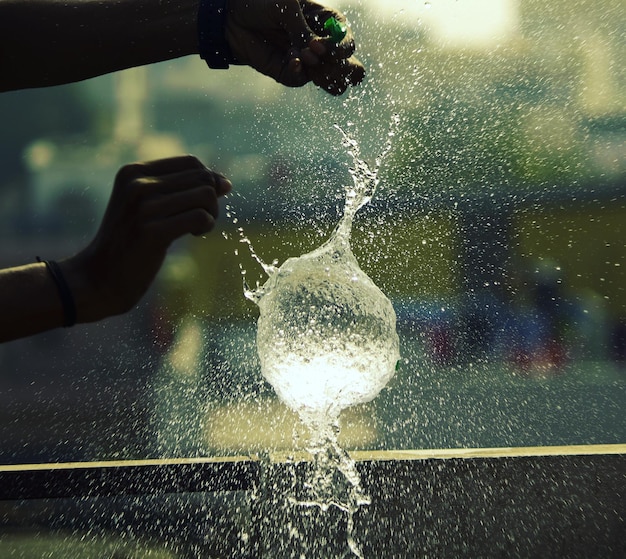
[[169, 165], [326, 47]]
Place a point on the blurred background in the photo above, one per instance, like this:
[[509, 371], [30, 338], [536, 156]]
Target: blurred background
[[497, 231]]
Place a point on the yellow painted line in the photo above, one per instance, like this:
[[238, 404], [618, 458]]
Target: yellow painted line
[[359, 456], [572, 450], [124, 463]]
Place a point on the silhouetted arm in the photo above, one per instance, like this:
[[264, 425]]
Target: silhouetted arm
[[52, 42], [152, 204]]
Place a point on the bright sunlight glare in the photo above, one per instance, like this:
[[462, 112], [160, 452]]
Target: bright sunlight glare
[[458, 23]]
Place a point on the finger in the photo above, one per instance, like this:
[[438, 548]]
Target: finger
[[335, 78], [163, 207], [322, 45], [136, 178], [326, 48], [317, 14], [183, 180], [166, 231], [355, 71], [286, 71], [293, 74], [165, 166]]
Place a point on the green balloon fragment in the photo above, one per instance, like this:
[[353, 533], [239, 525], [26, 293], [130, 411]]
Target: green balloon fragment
[[335, 30]]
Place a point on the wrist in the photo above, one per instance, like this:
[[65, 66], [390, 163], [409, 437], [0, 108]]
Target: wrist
[[90, 304], [213, 46], [65, 295]]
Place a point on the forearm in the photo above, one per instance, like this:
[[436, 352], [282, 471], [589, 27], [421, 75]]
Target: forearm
[[50, 42], [29, 302]]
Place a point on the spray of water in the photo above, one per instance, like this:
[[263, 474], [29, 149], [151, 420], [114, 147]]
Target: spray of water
[[326, 339]]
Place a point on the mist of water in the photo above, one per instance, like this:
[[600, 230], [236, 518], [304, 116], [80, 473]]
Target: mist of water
[[326, 339]]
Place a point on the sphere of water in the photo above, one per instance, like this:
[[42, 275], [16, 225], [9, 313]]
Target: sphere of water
[[326, 333]]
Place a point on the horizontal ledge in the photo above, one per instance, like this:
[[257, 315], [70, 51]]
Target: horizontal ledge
[[164, 462], [510, 452], [450, 453], [214, 474], [358, 455], [132, 477]]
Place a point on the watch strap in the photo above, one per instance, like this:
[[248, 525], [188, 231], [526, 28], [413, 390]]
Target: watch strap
[[212, 43]]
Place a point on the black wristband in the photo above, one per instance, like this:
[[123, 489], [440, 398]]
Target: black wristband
[[212, 44], [67, 299]]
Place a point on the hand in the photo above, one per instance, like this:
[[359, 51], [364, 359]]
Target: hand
[[151, 205], [283, 39]]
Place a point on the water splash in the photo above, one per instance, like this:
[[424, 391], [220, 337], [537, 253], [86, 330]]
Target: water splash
[[334, 481], [326, 339]]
